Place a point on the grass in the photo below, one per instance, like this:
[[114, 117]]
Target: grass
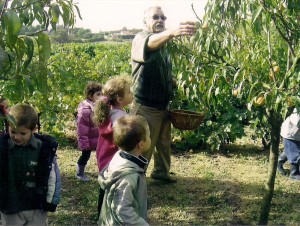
[[213, 189]]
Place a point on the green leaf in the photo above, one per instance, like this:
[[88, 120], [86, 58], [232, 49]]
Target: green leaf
[[10, 119], [39, 13], [44, 47], [11, 25], [266, 86], [257, 13], [252, 91], [30, 50], [78, 11], [55, 12], [66, 15], [29, 84]]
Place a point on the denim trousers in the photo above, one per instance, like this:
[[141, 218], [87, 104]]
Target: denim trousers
[[292, 150], [160, 134]]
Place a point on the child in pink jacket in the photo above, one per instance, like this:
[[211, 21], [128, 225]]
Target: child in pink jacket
[[87, 132], [116, 96]]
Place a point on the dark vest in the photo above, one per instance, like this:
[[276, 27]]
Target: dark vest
[[153, 80], [44, 165]]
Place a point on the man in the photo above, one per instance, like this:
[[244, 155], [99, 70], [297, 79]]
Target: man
[[153, 84]]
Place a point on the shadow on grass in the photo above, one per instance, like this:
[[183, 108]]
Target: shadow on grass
[[230, 150], [78, 205], [201, 201], [196, 201]]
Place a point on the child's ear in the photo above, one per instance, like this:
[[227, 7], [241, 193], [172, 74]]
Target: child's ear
[[119, 100], [140, 145], [35, 129]]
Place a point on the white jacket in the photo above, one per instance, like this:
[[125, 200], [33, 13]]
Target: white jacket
[[290, 128]]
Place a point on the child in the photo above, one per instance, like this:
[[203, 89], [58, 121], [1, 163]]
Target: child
[[290, 131], [87, 132], [29, 174], [124, 182], [116, 95], [4, 110]]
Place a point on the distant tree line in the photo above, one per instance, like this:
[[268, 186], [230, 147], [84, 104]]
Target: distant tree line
[[77, 35]]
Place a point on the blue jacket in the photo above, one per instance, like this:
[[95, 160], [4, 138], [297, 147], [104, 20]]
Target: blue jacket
[[46, 188]]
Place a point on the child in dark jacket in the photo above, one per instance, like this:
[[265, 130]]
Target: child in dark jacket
[[87, 132], [29, 175]]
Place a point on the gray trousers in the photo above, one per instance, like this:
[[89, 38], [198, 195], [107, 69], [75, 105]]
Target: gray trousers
[[28, 217], [160, 134]]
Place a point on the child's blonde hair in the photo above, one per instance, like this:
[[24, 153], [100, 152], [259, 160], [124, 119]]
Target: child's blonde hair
[[129, 131], [113, 88], [24, 115]]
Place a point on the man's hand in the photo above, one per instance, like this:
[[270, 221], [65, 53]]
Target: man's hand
[[157, 40], [185, 28]]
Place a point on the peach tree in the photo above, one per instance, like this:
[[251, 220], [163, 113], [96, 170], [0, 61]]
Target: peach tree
[[242, 66], [24, 54]]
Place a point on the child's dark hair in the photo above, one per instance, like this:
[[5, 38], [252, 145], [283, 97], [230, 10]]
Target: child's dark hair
[[91, 88], [2, 107], [128, 131], [24, 115], [113, 88]]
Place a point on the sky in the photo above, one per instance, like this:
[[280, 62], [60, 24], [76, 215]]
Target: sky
[[108, 15]]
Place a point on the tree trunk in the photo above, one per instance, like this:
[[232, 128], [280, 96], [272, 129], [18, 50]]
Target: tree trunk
[[275, 121]]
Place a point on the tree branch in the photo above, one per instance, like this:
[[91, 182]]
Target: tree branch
[[3, 9]]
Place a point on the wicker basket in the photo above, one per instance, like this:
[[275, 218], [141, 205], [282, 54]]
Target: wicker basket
[[186, 120]]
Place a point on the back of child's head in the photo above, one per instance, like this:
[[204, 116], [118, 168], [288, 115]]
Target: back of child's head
[[91, 88], [113, 88], [24, 115], [128, 131]]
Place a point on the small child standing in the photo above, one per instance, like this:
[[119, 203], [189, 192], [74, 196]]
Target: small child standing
[[29, 175], [116, 95], [124, 182], [87, 132]]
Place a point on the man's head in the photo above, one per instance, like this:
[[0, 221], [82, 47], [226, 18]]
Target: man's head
[[26, 119], [154, 19], [131, 132]]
